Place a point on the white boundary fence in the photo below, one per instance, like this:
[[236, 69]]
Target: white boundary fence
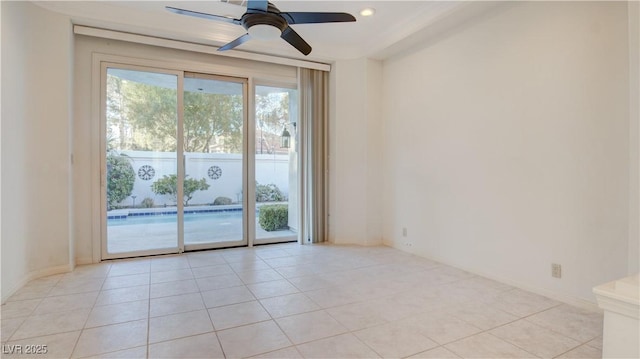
[[223, 173]]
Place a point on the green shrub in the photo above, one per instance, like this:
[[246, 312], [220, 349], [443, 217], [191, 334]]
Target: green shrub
[[268, 193], [120, 179], [169, 185], [147, 203], [274, 217], [222, 201]]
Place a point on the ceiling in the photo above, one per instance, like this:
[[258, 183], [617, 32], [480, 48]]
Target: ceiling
[[368, 36]]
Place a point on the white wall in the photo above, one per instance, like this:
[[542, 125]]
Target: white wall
[[355, 149], [507, 147], [36, 112]]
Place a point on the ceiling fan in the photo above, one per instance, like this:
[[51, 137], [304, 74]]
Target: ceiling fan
[[263, 20]]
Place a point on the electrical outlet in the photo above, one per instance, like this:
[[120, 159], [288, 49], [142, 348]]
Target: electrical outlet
[[404, 231], [556, 270]]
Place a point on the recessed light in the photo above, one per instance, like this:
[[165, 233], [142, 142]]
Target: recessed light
[[368, 11]]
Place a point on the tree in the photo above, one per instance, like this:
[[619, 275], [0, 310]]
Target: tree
[[272, 115], [152, 115], [168, 185], [120, 179], [143, 116], [212, 120], [273, 110]]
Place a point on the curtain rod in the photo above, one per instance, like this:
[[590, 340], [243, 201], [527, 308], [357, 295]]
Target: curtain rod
[[180, 45]]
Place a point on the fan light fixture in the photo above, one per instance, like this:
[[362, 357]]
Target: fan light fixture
[[368, 11], [264, 32], [264, 21]]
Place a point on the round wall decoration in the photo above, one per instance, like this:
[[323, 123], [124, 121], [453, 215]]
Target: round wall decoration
[[214, 172], [146, 172]]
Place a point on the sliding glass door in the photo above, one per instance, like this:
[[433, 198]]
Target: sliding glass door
[[176, 164], [215, 171], [141, 115], [276, 164]]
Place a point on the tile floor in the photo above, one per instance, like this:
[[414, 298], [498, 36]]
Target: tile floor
[[291, 301]]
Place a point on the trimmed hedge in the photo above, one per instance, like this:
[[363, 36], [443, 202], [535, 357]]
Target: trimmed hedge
[[120, 179], [268, 193], [147, 203], [222, 201], [274, 217]]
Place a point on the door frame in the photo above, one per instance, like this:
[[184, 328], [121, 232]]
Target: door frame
[[280, 239], [103, 166], [180, 246], [246, 205]]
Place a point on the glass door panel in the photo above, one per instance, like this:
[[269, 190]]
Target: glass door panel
[[140, 163], [215, 171], [276, 164]]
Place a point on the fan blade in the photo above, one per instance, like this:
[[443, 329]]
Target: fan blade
[[235, 43], [292, 37], [202, 15], [316, 17], [261, 5]]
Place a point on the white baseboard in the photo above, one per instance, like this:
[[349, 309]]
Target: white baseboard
[[373, 242], [65, 268], [83, 261], [574, 301], [362, 243]]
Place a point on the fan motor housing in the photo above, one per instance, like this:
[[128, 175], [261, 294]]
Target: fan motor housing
[[250, 19]]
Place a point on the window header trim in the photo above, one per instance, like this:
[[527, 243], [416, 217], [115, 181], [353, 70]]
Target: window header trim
[[180, 45]]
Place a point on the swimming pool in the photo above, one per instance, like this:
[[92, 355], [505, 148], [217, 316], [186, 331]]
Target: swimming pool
[[157, 216], [173, 217]]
